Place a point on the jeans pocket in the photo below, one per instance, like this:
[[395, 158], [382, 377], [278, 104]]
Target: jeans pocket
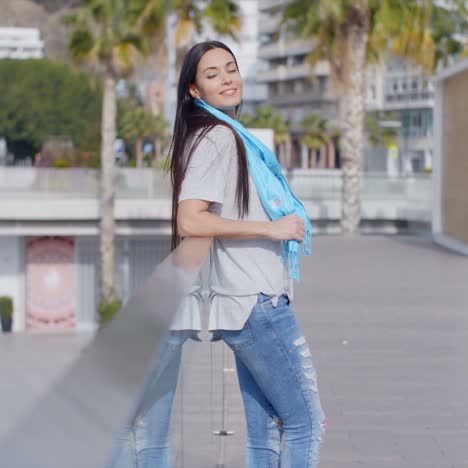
[[238, 339]]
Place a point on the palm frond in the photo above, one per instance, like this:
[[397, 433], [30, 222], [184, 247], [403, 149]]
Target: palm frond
[[223, 15], [81, 43]]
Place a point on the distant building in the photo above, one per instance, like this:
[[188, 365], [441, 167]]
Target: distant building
[[408, 94], [21, 43], [294, 87]]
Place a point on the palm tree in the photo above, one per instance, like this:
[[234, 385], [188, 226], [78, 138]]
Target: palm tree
[[110, 35], [349, 34], [314, 134], [269, 117], [221, 15]]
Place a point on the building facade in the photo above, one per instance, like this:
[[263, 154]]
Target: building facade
[[395, 88], [21, 43], [294, 88], [404, 92]]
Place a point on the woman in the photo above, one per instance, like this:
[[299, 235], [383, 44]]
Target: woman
[[228, 185]]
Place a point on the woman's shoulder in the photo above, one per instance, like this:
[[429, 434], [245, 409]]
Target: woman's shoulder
[[221, 136], [218, 143]]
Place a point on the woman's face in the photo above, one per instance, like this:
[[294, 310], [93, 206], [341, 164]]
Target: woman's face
[[218, 81]]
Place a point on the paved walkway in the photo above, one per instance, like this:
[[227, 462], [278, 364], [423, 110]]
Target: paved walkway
[[386, 320]]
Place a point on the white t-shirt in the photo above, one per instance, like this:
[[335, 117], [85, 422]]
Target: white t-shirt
[[239, 269]]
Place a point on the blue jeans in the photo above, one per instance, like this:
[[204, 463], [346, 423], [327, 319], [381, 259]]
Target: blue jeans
[[146, 443], [278, 382]]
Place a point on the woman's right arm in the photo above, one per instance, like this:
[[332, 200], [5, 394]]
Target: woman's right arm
[[212, 164], [194, 220]]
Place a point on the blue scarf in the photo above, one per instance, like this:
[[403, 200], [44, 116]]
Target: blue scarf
[[272, 187]]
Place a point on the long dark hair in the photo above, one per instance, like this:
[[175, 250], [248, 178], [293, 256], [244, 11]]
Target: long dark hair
[[190, 119]]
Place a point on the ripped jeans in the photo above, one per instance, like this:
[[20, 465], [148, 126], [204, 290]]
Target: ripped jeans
[[278, 382]]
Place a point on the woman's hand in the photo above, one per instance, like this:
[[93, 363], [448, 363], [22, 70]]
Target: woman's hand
[[290, 227]]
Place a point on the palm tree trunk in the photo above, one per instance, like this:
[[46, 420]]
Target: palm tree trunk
[[139, 152], [323, 156], [304, 156], [107, 225], [280, 153], [287, 152], [352, 120], [314, 163], [157, 148], [331, 154]]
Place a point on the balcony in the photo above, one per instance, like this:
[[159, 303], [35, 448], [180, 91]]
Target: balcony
[[302, 98], [269, 25], [284, 49], [409, 100], [293, 72], [266, 5]]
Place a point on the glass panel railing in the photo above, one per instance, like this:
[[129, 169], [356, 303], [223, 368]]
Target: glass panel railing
[[154, 184], [118, 394]]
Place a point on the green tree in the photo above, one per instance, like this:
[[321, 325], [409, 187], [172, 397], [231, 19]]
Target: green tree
[[314, 133], [449, 23], [135, 123], [40, 99], [378, 133], [269, 117], [349, 34], [110, 35]]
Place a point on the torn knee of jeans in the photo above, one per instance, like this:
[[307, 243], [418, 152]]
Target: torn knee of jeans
[[278, 423], [311, 376], [309, 370], [323, 424], [301, 342]]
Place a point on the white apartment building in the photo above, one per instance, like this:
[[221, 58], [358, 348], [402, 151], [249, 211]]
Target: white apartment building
[[21, 43], [404, 91], [395, 87]]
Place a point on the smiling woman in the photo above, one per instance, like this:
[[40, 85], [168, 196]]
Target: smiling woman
[[218, 81], [228, 186]]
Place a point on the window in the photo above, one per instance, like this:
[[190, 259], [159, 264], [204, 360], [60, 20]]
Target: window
[[323, 84], [298, 114], [298, 59], [298, 86], [417, 120], [308, 84]]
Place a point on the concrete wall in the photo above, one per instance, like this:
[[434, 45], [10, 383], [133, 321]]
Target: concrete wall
[[12, 277], [454, 167]]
